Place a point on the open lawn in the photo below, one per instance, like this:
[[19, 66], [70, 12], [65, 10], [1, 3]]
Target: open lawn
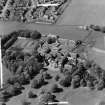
[[80, 96], [82, 12], [27, 46]]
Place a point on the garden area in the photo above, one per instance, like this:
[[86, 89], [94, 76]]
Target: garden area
[[78, 80]]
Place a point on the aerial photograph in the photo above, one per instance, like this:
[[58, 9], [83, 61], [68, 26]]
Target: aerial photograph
[[52, 52]]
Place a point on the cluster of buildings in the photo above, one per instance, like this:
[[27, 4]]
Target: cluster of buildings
[[58, 53], [38, 11]]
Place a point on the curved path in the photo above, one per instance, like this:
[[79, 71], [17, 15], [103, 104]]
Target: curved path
[[98, 50]]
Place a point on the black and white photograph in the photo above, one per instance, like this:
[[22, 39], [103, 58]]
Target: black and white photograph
[[52, 52]]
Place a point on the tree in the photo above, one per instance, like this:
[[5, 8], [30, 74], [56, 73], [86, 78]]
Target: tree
[[83, 83], [35, 84], [10, 42], [31, 94], [66, 81], [4, 96], [51, 40], [5, 38], [41, 80], [17, 85], [13, 91], [76, 78], [36, 35], [100, 85], [76, 81], [13, 79], [63, 62], [24, 33], [22, 80], [38, 81], [57, 77], [75, 84], [90, 85], [45, 98]]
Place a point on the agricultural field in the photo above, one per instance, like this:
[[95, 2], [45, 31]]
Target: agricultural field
[[43, 68], [84, 12]]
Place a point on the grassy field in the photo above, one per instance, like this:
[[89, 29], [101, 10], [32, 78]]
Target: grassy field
[[80, 96], [81, 12], [27, 46]]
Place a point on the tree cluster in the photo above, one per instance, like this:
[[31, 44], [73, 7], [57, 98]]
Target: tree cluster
[[45, 98], [87, 74], [38, 81], [65, 81]]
